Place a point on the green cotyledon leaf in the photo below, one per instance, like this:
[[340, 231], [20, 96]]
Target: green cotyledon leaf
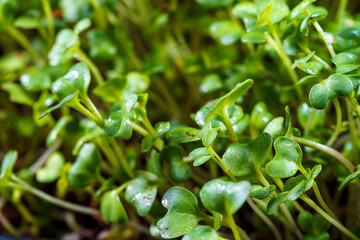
[[76, 79], [241, 158], [7, 164], [141, 194], [217, 107], [287, 159], [183, 213], [112, 210], [224, 197], [202, 233], [86, 168]]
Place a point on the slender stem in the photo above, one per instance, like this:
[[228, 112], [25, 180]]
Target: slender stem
[[8, 226], [56, 201], [353, 133], [277, 45], [221, 164], [233, 227], [121, 157], [21, 39], [264, 218], [93, 109], [108, 152], [143, 132], [123, 186], [327, 66], [225, 118], [337, 130], [286, 212], [99, 16], [333, 221], [49, 19], [317, 193], [341, 10], [324, 38], [82, 57], [80, 108], [332, 152], [45, 156]]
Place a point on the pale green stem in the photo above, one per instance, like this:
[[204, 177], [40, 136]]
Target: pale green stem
[[222, 165], [159, 143], [264, 218], [277, 45], [80, 108], [317, 193], [93, 109], [327, 66], [99, 16], [286, 212], [49, 19], [353, 133], [333, 221], [123, 186], [56, 201], [121, 157], [322, 34], [337, 130], [332, 152], [82, 57], [341, 10], [233, 227], [45, 156], [226, 120], [21, 39], [109, 153]]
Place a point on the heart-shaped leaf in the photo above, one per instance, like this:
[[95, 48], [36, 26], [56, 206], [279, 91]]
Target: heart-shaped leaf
[[304, 112], [243, 159], [223, 196], [77, 78], [7, 164], [275, 127], [86, 168], [183, 213], [202, 233], [119, 123], [65, 39], [200, 155], [141, 194], [287, 159], [52, 169], [340, 84], [112, 209], [311, 67]]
